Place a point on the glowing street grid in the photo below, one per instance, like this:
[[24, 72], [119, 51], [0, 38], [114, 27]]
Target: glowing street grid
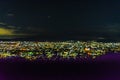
[[32, 50]]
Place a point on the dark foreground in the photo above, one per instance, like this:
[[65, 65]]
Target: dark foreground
[[106, 67]]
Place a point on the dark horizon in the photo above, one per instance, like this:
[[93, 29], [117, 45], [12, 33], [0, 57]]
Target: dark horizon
[[60, 20]]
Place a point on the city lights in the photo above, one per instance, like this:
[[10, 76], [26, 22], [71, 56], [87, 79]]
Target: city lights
[[32, 50]]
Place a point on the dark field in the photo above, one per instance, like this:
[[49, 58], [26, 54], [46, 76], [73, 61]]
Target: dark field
[[106, 67]]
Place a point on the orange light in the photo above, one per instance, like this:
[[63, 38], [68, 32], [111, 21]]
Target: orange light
[[89, 53], [87, 49]]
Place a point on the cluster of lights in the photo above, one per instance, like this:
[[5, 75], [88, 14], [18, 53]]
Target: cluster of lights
[[53, 50]]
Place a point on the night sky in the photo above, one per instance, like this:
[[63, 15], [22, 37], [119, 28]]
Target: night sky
[[60, 20]]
